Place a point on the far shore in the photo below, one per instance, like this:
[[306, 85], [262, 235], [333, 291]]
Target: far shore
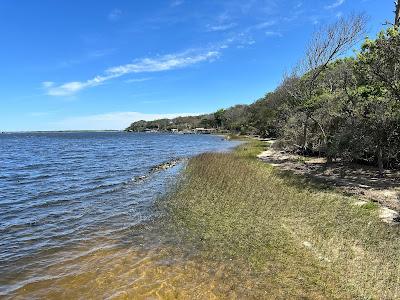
[[60, 131]]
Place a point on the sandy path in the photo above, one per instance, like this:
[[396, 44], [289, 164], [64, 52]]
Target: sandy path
[[358, 180]]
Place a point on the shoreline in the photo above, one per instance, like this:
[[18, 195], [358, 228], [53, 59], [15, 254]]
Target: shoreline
[[359, 181], [235, 207], [60, 131]]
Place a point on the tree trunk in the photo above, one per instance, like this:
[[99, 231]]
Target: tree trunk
[[380, 160], [397, 14], [328, 143], [305, 129]]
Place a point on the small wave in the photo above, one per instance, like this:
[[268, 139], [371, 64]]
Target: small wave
[[51, 203], [39, 177], [73, 157], [34, 166], [103, 186], [158, 168]]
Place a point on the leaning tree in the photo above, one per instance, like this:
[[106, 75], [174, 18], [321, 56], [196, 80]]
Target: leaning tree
[[327, 44]]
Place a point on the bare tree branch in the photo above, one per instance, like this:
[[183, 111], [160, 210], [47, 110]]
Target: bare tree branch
[[327, 44], [332, 41]]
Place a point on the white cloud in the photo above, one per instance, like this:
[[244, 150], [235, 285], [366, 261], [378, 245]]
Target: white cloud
[[164, 63], [133, 80], [273, 33], [221, 27], [335, 4], [112, 120], [146, 65], [115, 15], [264, 25], [73, 87]]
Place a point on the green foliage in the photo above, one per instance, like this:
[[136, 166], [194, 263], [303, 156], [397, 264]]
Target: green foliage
[[350, 111], [353, 110], [219, 118]]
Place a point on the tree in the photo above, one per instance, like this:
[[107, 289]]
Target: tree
[[236, 118], [262, 116], [379, 61], [379, 69], [333, 106], [219, 118], [327, 44]]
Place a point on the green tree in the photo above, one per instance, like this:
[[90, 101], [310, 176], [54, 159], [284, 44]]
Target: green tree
[[219, 118], [326, 45], [378, 66]]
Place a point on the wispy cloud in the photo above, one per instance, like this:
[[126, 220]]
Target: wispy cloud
[[335, 4], [164, 63], [115, 15], [146, 65], [221, 22], [112, 120], [221, 27], [73, 87], [263, 25], [273, 33], [134, 80]]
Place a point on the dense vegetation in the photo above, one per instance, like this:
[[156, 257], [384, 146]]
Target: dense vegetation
[[286, 238], [341, 108]]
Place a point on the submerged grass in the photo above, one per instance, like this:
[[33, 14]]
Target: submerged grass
[[287, 238]]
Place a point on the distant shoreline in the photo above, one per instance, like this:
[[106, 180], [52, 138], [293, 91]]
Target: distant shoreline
[[61, 131]]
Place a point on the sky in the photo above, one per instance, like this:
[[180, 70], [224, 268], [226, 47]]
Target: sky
[[90, 64]]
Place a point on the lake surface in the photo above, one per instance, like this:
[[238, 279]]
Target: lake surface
[[72, 211]]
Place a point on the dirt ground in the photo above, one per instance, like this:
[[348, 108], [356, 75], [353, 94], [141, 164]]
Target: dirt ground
[[358, 180]]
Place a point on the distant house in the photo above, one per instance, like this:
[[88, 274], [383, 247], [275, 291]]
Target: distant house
[[204, 130], [174, 130], [187, 131], [150, 130]]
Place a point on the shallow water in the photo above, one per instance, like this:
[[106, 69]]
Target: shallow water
[[76, 223]]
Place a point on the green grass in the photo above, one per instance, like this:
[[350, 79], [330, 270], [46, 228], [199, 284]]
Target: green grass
[[370, 206], [250, 149], [289, 237]]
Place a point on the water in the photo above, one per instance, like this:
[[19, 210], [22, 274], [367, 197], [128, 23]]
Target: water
[[72, 213]]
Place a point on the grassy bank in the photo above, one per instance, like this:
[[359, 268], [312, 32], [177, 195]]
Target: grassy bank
[[286, 237]]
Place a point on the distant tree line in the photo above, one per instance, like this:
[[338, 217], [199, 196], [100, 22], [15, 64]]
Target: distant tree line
[[340, 108]]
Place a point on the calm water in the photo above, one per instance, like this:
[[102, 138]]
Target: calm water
[[72, 211]]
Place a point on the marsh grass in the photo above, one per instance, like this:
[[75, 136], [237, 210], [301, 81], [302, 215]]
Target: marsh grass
[[290, 238]]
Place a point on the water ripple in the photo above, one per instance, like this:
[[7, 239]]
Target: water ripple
[[62, 192]]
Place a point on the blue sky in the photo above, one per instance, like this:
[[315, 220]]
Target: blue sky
[[93, 64]]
